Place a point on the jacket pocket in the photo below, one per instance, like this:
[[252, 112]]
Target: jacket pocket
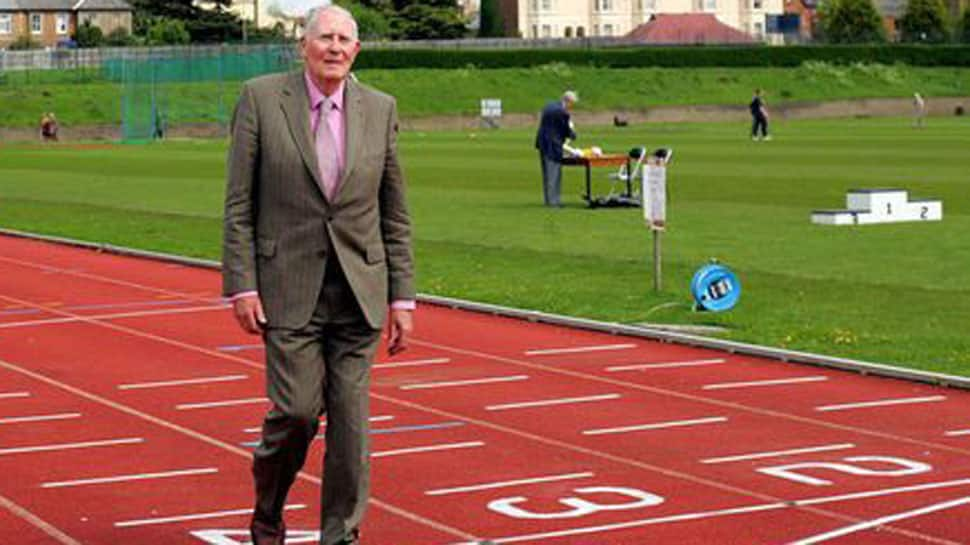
[[266, 247], [374, 254]]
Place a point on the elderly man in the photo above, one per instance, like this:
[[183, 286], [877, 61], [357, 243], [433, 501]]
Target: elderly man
[[316, 248], [554, 129]]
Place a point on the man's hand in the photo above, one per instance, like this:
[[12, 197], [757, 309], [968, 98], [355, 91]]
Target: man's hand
[[401, 325], [249, 313]]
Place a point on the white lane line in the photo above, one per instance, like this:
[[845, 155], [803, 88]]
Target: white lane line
[[134, 477], [226, 403], [880, 403], [548, 402], [38, 418], [956, 433], [882, 520], [323, 422], [665, 365], [68, 446], [182, 382], [10, 395], [197, 516], [37, 522], [727, 512], [470, 382], [429, 448], [759, 455], [578, 349], [113, 316], [503, 484], [657, 425], [410, 363], [773, 382]]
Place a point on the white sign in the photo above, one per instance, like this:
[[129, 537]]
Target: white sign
[[491, 107], [654, 193]]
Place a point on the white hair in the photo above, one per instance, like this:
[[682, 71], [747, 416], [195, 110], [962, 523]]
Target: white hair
[[313, 16]]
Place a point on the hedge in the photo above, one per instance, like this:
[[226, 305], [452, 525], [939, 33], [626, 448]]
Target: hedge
[[668, 57]]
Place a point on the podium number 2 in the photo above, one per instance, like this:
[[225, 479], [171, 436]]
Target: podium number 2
[[579, 506], [905, 467]]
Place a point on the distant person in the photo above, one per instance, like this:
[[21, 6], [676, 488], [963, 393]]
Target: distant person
[[48, 127], [919, 110], [759, 117], [554, 128]]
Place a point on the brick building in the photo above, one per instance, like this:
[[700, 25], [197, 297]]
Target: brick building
[[52, 22]]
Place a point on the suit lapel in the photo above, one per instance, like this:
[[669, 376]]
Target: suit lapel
[[295, 103], [354, 127]]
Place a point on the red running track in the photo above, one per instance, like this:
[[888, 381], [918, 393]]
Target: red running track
[[129, 398]]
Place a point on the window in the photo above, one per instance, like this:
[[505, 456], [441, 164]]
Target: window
[[535, 5], [546, 5], [596, 30], [63, 22], [651, 5], [607, 5], [710, 5], [535, 31], [569, 32], [758, 30], [6, 23], [546, 31], [35, 19], [756, 4], [580, 32], [607, 30]]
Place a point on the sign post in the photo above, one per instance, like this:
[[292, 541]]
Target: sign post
[[654, 193]]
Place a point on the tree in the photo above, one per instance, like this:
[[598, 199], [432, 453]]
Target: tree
[[203, 25], [167, 31], [88, 35], [924, 21], [964, 32], [490, 20], [425, 21], [120, 37], [850, 21], [372, 23]]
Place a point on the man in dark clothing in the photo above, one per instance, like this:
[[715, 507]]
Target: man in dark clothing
[[554, 129], [759, 117]]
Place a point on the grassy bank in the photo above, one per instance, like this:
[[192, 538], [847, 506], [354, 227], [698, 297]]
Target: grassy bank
[[890, 293], [90, 100]]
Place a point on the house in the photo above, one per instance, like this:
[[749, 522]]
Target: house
[[52, 22], [688, 28], [594, 18]]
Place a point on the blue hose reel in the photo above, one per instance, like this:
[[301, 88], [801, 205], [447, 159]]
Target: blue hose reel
[[715, 288]]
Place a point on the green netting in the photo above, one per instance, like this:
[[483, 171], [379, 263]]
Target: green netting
[[188, 87]]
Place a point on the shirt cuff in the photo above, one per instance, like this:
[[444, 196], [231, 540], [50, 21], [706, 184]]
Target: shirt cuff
[[404, 304], [236, 296]]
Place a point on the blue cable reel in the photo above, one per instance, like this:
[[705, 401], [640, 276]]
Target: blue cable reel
[[715, 288]]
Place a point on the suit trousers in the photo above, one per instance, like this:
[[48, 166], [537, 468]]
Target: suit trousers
[[320, 369], [551, 180]]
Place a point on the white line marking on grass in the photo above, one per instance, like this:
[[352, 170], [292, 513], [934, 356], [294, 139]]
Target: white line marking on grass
[[774, 382], [578, 349], [197, 516], [11, 395], [182, 382], [430, 448], [134, 477], [469, 382], [68, 446], [503, 484], [665, 365], [411, 363], [882, 520], [38, 418], [114, 316], [759, 455], [657, 425], [226, 403], [880, 403], [549, 402]]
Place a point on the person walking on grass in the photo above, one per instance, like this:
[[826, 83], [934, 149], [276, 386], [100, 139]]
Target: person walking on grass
[[317, 258], [919, 110], [759, 117], [554, 129]]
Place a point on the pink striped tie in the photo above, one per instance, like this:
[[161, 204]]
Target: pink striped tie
[[326, 148]]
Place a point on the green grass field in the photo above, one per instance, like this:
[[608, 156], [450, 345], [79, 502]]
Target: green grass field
[[897, 294]]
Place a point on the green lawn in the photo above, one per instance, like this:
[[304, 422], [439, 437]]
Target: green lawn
[[897, 294], [85, 98]]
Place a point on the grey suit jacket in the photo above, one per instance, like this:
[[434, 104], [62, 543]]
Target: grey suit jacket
[[279, 228]]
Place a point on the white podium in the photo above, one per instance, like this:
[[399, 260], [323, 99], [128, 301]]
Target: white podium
[[868, 206]]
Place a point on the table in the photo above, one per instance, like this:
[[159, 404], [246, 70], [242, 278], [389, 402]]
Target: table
[[607, 160]]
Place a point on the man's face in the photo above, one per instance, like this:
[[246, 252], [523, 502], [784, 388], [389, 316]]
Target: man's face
[[330, 50]]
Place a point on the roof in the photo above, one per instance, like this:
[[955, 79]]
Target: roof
[[64, 5], [688, 28]]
